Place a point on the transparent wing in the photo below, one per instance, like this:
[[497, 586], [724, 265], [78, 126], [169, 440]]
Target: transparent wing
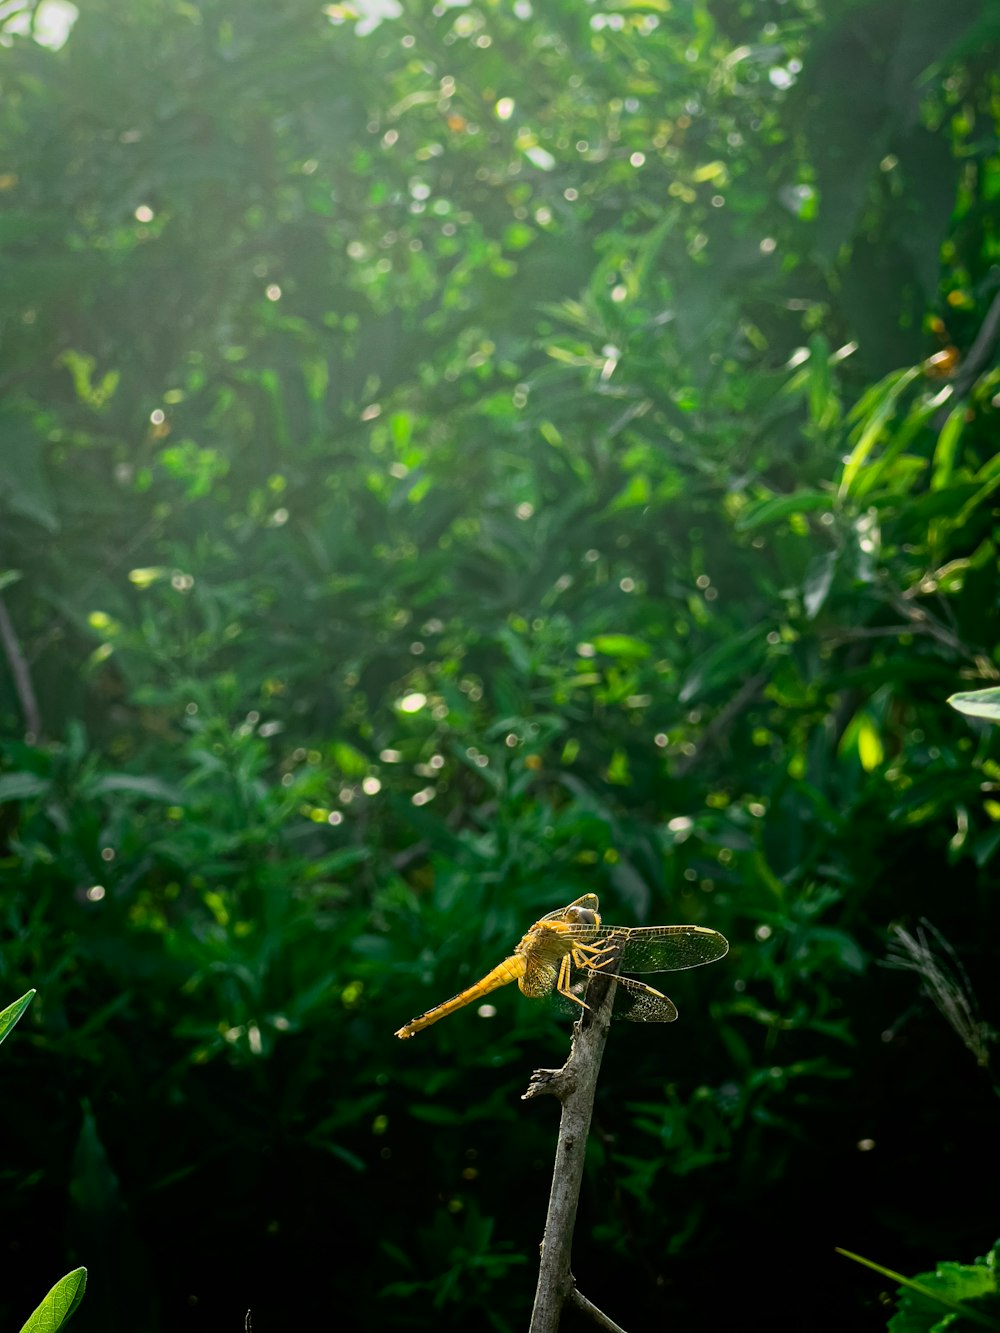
[[639, 1003], [634, 1001], [658, 948]]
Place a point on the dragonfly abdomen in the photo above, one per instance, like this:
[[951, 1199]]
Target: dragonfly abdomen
[[511, 969]]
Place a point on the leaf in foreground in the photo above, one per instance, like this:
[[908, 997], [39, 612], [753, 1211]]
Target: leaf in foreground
[[13, 1012], [978, 703], [949, 1289], [59, 1304]]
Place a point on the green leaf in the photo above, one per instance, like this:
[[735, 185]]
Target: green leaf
[[863, 738], [989, 476], [777, 507], [436, 1115], [823, 406], [351, 762], [21, 786], [636, 493], [946, 1296], [947, 446], [13, 1012], [59, 1305], [138, 785], [621, 645], [978, 703], [819, 581], [731, 660], [870, 750], [618, 770], [883, 412]]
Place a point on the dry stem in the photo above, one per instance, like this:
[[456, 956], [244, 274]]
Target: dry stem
[[575, 1085]]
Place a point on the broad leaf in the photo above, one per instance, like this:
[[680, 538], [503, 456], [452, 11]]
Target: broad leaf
[[59, 1305]]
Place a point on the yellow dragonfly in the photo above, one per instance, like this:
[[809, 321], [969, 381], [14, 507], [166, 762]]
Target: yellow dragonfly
[[573, 938]]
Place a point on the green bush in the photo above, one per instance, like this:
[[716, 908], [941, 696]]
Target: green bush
[[451, 464]]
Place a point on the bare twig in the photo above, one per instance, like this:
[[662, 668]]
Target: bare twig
[[415, 852], [577, 1299], [21, 674], [574, 1085], [980, 352], [921, 621], [722, 721], [975, 360], [851, 634]]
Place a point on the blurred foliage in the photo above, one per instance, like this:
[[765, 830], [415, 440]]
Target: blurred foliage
[[455, 459]]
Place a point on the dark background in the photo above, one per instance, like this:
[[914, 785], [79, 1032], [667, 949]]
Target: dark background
[[450, 464]]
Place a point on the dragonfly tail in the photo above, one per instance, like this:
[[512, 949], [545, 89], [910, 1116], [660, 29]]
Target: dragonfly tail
[[502, 975]]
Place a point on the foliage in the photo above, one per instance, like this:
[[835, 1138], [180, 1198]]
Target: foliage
[[974, 1286], [960, 1296], [453, 460]]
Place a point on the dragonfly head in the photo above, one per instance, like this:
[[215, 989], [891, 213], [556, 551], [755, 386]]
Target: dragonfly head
[[581, 916]]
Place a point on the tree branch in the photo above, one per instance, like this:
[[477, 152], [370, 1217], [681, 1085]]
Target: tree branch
[[980, 352], [22, 676], [722, 721], [575, 1085], [579, 1301], [974, 361]]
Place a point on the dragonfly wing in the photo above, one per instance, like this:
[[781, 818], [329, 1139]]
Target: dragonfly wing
[[634, 1001], [538, 980], [662, 948], [639, 1003]]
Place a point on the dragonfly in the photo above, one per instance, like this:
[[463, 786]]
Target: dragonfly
[[560, 950]]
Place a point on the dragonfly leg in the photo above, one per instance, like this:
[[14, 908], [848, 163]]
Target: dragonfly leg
[[584, 953], [599, 955], [562, 984]]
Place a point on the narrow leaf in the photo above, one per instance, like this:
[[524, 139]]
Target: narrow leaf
[[819, 581], [136, 784], [946, 447], [978, 703], [13, 1012], [21, 786], [777, 507], [876, 423]]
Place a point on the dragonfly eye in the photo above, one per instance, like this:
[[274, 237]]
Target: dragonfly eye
[[582, 916]]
